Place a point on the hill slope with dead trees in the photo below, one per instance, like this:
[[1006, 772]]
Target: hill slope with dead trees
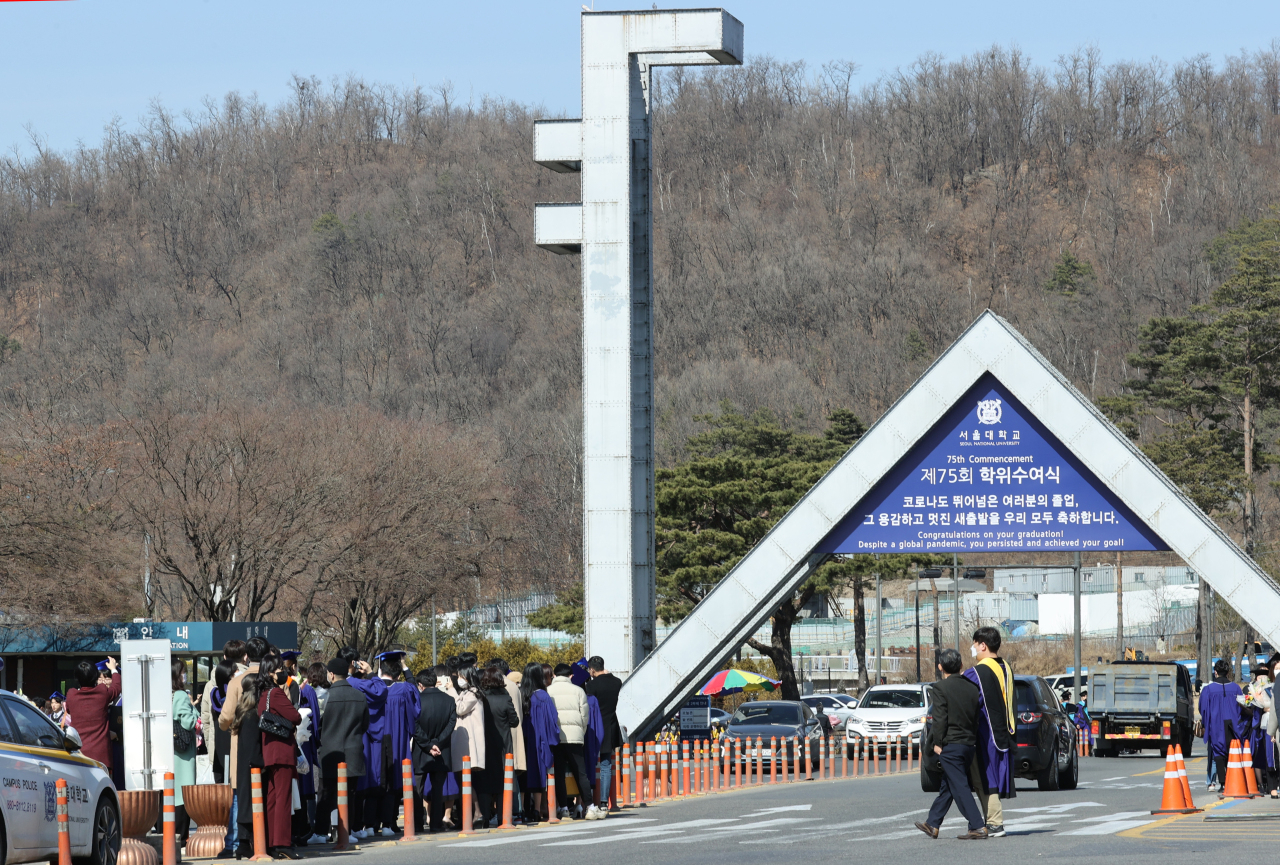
[[312, 353]]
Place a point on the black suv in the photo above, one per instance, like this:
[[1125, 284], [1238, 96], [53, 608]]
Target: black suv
[[1046, 740]]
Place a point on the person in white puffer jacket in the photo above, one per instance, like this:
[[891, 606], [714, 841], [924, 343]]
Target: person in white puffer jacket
[[571, 706]]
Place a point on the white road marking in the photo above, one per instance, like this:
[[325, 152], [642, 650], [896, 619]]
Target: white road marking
[[1123, 815], [1053, 809], [617, 824], [780, 810], [1109, 828]]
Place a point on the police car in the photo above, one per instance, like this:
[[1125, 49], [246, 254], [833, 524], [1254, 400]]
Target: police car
[[34, 754]]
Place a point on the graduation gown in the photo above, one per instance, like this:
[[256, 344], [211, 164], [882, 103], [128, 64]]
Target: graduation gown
[[307, 700], [1218, 705], [995, 747], [594, 737], [375, 695], [541, 731], [401, 716]]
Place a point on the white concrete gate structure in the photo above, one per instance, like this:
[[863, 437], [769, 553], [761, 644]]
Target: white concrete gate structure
[[611, 228], [786, 556]]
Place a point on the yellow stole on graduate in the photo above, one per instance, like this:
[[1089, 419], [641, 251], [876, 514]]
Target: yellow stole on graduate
[[1004, 675]]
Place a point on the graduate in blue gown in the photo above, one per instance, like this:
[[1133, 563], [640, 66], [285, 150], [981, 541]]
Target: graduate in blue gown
[[398, 722], [304, 820], [366, 796], [992, 773], [541, 727], [595, 735], [1220, 713]]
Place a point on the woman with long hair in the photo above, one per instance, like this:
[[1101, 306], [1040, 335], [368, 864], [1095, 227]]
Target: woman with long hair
[[184, 758], [279, 758], [500, 718], [541, 732], [468, 735]]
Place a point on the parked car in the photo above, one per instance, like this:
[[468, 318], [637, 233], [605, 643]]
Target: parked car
[[766, 719], [34, 753], [1045, 740], [1064, 684], [719, 717], [836, 710], [888, 712]]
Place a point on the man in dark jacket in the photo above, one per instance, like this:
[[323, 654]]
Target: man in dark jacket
[[953, 734], [605, 687], [344, 722], [432, 733]]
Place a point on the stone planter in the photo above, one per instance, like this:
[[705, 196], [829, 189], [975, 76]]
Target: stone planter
[[138, 812], [209, 806]]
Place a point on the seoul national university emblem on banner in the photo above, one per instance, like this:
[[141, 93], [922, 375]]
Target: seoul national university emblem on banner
[[989, 411]]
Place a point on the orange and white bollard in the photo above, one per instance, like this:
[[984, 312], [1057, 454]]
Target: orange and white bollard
[[795, 758], [665, 770], [552, 816], [64, 828], [737, 762], [625, 799], [808, 761], [508, 790], [773, 759], [684, 770], [466, 796], [259, 817], [844, 758], [652, 792], [616, 780], [344, 819], [406, 790], [897, 755], [169, 838]]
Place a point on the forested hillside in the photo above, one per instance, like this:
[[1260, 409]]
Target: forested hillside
[[281, 340]]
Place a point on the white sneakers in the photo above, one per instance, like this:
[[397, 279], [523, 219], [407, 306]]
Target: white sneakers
[[388, 832], [317, 839], [594, 813]]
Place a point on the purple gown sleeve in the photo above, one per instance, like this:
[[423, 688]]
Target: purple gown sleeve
[[595, 735]]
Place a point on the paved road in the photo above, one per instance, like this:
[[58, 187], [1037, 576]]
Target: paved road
[[870, 820]]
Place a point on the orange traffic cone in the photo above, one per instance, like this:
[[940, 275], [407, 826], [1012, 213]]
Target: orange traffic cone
[[1235, 787], [1173, 800], [1251, 782], [1186, 783]]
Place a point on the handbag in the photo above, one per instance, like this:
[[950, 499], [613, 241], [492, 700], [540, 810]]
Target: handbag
[[183, 739], [270, 722]]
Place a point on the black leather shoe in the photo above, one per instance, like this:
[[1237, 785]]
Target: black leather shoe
[[979, 834], [928, 830]]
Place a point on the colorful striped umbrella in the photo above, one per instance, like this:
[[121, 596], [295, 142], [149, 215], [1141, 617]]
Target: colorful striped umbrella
[[737, 681]]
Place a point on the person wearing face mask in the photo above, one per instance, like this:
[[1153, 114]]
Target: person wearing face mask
[[279, 758], [992, 769], [184, 746]]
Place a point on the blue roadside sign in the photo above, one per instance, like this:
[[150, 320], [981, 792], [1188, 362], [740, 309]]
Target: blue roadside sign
[[989, 476]]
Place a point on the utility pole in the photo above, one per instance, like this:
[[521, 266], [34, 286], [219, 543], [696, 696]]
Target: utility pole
[[879, 610], [917, 626], [1119, 608], [955, 585], [1075, 591]]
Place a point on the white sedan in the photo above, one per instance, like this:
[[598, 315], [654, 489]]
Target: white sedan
[[34, 754], [886, 713]]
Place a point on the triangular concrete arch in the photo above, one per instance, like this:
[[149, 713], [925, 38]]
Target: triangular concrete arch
[[786, 556]]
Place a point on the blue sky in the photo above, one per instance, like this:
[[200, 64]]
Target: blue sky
[[69, 67]]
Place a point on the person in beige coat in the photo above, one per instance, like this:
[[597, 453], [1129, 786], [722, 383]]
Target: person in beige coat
[[570, 755], [468, 736]]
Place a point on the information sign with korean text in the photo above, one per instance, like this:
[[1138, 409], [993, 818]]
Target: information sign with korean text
[[989, 476], [695, 718]]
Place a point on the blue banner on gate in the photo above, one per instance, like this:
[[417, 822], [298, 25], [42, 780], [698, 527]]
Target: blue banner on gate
[[989, 476]]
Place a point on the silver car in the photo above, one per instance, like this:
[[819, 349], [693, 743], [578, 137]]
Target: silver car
[[886, 713]]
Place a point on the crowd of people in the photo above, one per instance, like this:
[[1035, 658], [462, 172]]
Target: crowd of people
[[1226, 712], [296, 724], [262, 710]]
